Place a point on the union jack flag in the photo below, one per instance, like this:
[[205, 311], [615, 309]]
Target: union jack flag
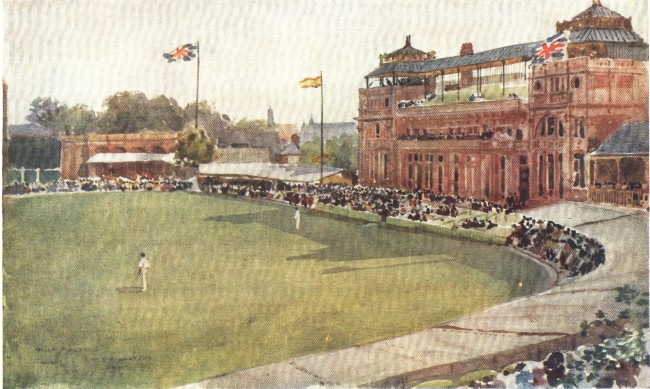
[[185, 52], [554, 47]]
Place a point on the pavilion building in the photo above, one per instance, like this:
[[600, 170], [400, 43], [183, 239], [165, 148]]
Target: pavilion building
[[491, 123]]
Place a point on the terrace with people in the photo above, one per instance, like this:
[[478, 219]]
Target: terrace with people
[[488, 80]]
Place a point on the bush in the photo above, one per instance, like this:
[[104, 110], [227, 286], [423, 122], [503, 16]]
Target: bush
[[479, 375]]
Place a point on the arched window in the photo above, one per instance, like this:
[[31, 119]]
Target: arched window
[[576, 82], [377, 130], [551, 125], [579, 129], [509, 131], [386, 102], [542, 126], [538, 86], [519, 134], [560, 127]]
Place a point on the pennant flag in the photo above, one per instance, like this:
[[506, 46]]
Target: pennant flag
[[310, 82], [554, 47], [185, 53]]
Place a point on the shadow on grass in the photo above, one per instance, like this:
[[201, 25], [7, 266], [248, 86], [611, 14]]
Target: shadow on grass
[[345, 269], [348, 239], [129, 289]]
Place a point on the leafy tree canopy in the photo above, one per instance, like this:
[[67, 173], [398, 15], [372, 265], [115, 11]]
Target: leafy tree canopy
[[339, 152], [195, 146]]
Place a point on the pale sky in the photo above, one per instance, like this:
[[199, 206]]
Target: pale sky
[[253, 52]]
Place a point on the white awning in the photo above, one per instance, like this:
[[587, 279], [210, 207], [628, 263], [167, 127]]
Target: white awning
[[271, 171], [130, 157]]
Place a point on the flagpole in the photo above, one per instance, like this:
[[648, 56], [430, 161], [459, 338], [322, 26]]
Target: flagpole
[[198, 61], [321, 127]]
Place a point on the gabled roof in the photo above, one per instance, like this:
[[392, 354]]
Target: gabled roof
[[130, 157], [630, 139], [290, 149], [31, 130], [520, 51]]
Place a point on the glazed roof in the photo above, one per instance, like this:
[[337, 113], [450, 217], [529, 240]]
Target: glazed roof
[[520, 51]]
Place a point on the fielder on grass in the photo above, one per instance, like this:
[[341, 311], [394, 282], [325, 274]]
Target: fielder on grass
[[143, 266]]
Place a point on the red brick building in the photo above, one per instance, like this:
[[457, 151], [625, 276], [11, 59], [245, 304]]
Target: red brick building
[[489, 123], [76, 150]]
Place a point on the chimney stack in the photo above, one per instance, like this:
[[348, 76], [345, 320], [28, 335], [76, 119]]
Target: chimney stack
[[466, 49]]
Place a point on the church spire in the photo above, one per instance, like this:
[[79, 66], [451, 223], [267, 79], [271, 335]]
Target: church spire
[[270, 121]]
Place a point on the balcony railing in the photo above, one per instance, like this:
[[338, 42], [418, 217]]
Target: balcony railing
[[626, 198]]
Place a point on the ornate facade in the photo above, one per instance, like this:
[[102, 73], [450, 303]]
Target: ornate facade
[[488, 124]]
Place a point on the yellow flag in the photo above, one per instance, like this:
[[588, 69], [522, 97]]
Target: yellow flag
[[310, 82]]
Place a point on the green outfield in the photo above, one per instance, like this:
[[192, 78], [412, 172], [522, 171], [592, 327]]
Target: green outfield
[[232, 285]]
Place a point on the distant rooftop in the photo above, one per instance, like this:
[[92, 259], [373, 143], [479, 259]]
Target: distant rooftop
[[31, 130]]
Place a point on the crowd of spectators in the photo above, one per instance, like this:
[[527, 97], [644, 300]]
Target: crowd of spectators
[[569, 251], [163, 184], [566, 249], [418, 205], [485, 134]]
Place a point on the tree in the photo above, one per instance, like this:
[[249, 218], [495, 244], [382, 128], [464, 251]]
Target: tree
[[81, 118], [126, 112], [195, 146], [47, 112], [206, 111], [339, 152], [165, 114]]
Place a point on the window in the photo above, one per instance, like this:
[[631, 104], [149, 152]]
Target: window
[[377, 130], [503, 175], [385, 166], [551, 173], [523, 160], [537, 86], [576, 82], [542, 127], [386, 102], [540, 178], [560, 130], [551, 125], [579, 170], [579, 129], [509, 131], [519, 134]]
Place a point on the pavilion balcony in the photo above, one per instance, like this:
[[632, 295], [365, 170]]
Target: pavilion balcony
[[455, 108], [473, 145]]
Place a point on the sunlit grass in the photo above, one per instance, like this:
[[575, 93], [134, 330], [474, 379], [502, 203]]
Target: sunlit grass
[[232, 285]]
